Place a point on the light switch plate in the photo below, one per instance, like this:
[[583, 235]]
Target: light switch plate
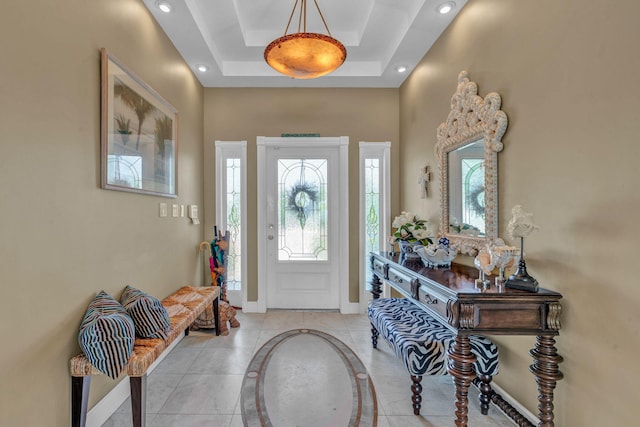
[[193, 214], [163, 210], [175, 210]]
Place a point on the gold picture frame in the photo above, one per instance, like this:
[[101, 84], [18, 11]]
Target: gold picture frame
[[139, 134]]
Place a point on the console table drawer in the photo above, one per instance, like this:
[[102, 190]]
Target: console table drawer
[[433, 302], [504, 317], [400, 279], [379, 267]]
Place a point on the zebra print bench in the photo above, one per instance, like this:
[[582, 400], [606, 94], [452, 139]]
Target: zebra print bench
[[421, 343]]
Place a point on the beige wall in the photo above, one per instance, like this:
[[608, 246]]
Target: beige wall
[[567, 77], [244, 114], [62, 238], [567, 72]]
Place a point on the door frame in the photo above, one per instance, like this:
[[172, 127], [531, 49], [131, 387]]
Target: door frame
[[342, 143]]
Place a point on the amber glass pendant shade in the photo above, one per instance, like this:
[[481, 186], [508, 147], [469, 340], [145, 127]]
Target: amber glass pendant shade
[[305, 55]]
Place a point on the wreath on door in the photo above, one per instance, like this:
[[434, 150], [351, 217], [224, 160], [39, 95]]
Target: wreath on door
[[301, 199]]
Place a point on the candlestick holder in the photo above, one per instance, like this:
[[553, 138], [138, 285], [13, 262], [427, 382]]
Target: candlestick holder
[[502, 256], [521, 279]]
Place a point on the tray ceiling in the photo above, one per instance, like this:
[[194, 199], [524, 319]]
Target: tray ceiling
[[229, 37]]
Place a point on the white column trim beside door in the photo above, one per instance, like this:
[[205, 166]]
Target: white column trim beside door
[[223, 150], [343, 247], [262, 224], [382, 151]]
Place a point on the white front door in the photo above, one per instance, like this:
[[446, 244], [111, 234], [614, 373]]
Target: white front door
[[302, 223]]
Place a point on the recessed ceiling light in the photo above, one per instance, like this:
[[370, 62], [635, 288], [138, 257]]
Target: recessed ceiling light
[[446, 7], [401, 68], [163, 6], [202, 68]]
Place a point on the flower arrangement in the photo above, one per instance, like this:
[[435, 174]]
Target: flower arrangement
[[410, 228]]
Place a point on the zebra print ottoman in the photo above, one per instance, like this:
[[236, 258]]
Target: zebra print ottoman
[[421, 343]]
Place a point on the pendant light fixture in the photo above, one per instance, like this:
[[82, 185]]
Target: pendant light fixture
[[305, 55]]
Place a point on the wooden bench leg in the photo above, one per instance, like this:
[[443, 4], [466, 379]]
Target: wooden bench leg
[[416, 390], [216, 315], [374, 336], [138, 387], [483, 382], [79, 400]]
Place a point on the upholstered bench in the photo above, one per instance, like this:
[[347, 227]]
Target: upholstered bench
[[421, 343], [183, 307]]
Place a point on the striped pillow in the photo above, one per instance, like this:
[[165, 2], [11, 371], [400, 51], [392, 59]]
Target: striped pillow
[[106, 335], [148, 313]]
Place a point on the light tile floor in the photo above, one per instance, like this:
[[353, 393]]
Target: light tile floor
[[198, 383]]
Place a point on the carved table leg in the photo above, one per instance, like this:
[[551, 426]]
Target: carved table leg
[[376, 287], [460, 367], [545, 368]]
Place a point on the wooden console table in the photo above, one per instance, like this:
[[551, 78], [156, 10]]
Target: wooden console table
[[450, 295]]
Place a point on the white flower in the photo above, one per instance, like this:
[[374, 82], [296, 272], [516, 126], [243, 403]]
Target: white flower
[[411, 228], [420, 234], [402, 219], [399, 221]]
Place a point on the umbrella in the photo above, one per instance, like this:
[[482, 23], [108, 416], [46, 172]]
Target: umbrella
[[219, 246], [204, 247]]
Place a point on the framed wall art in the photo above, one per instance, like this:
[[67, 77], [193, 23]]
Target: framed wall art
[[139, 131]]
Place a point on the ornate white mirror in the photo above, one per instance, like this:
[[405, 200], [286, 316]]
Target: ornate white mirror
[[467, 149]]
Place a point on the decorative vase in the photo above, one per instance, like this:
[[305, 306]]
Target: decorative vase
[[408, 250], [438, 255]]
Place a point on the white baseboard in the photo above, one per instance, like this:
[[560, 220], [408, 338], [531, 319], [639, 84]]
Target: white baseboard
[[353, 308], [256, 307], [109, 404], [102, 410], [251, 307]]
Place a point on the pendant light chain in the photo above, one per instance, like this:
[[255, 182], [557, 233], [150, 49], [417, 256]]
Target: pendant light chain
[[291, 17], [322, 17], [302, 17]]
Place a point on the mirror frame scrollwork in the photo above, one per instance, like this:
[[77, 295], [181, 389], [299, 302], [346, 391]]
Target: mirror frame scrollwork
[[471, 118]]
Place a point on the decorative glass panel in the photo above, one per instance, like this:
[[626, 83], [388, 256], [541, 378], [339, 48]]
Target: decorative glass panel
[[372, 210], [234, 216], [302, 210], [473, 192]]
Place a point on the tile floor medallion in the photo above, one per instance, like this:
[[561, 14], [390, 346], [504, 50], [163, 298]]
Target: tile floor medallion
[[305, 377]]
